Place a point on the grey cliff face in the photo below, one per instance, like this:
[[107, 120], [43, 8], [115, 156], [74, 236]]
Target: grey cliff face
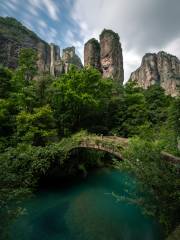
[[106, 56], [43, 57], [169, 71], [92, 54], [69, 58], [14, 36], [162, 69], [56, 66], [147, 74], [111, 56]]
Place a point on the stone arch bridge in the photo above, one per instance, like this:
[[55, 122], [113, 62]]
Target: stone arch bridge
[[110, 144]]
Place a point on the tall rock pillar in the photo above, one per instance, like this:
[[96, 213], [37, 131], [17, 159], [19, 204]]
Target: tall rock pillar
[[70, 58], [92, 53], [55, 60], [111, 57]]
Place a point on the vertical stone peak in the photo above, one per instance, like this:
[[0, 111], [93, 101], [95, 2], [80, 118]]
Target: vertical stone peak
[[92, 53], [68, 53], [56, 51], [55, 58], [111, 57], [60, 65], [70, 58], [109, 33], [106, 56]]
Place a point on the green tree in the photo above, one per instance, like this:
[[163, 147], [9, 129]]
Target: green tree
[[5, 82], [23, 88], [36, 128], [128, 111], [173, 126], [157, 177], [7, 107], [157, 104], [78, 97], [28, 63], [42, 89]]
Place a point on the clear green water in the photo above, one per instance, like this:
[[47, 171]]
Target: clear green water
[[86, 211]]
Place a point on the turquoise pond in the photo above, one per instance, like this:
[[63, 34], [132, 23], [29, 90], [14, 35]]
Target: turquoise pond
[[86, 211]]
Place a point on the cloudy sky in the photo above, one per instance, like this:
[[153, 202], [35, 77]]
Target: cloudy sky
[[143, 25]]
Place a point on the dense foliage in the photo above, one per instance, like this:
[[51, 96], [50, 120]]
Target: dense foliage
[[39, 114], [157, 177]]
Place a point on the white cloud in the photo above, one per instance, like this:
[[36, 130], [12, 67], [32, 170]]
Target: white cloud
[[32, 10], [15, 1], [47, 6], [131, 62], [52, 9], [27, 23], [11, 5], [5, 9], [53, 32], [71, 40], [42, 23], [50, 37], [174, 47]]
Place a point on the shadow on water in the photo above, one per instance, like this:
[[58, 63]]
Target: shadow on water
[[85, 210]]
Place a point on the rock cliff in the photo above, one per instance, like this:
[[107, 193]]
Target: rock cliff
[[161, 68], [106, 56], [111, 56], [69, 57], [92, 54], [56, 67], [14, 36]]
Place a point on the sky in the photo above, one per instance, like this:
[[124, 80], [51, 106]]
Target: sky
[[143, 25]]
